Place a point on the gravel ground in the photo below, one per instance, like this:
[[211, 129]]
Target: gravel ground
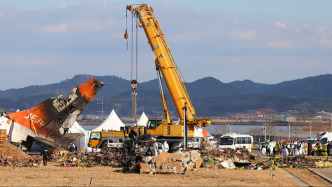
[[53, 175]]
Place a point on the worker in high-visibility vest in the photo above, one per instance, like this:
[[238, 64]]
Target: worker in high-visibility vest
[[305, 147], [319, 148], [278, 147]]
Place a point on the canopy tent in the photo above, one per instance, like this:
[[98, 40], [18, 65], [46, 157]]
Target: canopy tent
[[143, 120], [112, 122], [82, 143]]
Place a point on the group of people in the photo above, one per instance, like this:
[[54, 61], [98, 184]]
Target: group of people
[[164, 148], [288, 148]]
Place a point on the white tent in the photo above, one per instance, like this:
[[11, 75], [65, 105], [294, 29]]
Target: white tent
[[143, 120], [82, 143], [112, 122]]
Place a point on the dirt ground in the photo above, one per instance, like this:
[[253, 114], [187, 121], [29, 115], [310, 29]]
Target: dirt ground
[[53, 175], [308, 177]]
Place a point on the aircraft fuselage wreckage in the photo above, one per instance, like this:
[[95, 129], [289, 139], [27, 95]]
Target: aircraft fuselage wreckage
[[49, 121]]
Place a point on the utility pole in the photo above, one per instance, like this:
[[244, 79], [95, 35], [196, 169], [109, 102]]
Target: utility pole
[[289, 131], [265, 127], [230, 128], [310, 129], [185, 127], [102, 110]]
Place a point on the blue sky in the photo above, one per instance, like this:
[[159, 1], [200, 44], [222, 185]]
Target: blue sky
[[44, 42]]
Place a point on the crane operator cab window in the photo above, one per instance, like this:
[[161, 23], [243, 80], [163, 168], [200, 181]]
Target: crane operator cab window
[[153, 124], [95, 136]]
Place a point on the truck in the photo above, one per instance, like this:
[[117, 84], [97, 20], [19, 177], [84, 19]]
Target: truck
[[106, 139], [109, 139]]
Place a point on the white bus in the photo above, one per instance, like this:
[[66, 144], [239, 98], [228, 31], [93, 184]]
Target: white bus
[[235, 141]]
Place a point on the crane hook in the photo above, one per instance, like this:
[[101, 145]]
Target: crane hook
[[126, 37]]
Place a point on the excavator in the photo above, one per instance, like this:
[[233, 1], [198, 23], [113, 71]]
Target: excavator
[[173, 132], [167, 70]]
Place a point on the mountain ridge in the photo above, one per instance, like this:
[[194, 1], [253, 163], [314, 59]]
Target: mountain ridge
[[208, 93]]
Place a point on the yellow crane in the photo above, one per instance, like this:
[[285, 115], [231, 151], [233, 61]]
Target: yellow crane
[[168, 71]]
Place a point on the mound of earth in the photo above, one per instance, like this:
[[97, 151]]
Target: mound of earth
[[8, 150]]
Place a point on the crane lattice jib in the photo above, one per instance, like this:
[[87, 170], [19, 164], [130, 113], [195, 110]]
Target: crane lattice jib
[[164, 60]]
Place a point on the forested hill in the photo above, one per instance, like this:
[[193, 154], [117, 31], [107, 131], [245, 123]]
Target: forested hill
[[209, 95]]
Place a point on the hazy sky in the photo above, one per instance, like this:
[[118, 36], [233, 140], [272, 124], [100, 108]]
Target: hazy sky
[[44, 42]]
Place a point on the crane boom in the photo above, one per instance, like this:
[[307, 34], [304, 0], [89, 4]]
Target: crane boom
[[165, 64]]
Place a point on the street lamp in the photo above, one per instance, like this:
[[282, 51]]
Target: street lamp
[[289, 131], [265, 127], [310, 129], [230, 127]]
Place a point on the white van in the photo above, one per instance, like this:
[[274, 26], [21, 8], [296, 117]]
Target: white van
[[235, 141]]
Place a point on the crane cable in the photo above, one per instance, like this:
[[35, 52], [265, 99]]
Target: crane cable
[[126, 34], [132, 42], [136, 43], [132, 45], [134, 80]]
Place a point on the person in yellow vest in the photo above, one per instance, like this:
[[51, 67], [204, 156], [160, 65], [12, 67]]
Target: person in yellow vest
[[291, 152], [305, 147], [319, 148], [278, 148]]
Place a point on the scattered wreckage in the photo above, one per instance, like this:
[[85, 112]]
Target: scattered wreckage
[[137, 156]]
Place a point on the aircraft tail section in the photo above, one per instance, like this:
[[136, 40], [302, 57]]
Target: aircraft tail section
[[56, 115]]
